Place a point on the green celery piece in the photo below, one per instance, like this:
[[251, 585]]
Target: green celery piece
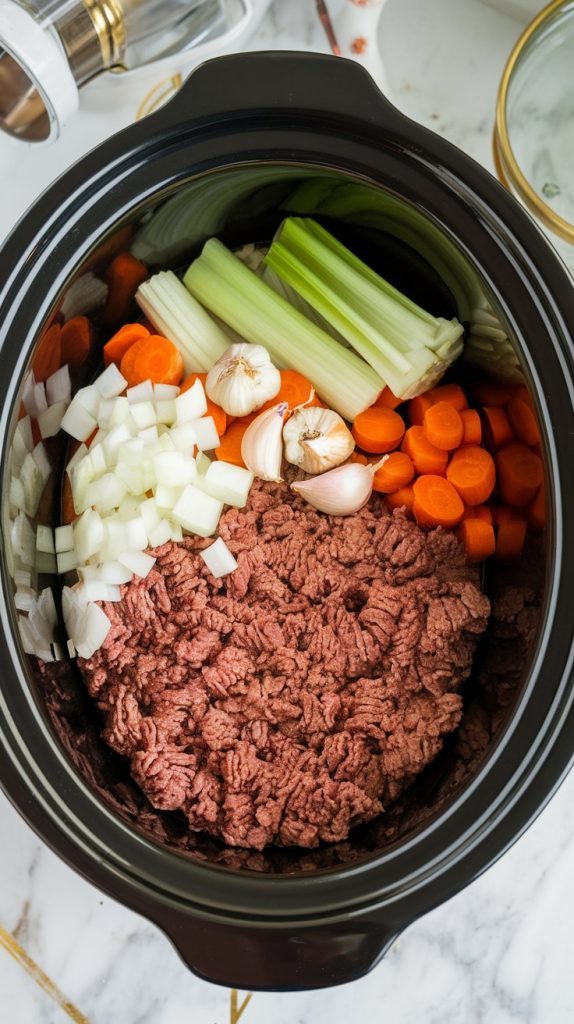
[[242, 300]]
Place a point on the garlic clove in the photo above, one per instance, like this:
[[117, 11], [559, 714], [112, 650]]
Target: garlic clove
[[341, 491], [317, 439], [262, 444], [243, 379]]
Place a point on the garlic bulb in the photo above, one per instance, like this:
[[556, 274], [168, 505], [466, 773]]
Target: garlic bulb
[[341, 491], [243, 379], [262, 444], [317, 439]]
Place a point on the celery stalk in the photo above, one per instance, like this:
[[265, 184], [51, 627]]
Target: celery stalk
[[408, 347], [221, 282]]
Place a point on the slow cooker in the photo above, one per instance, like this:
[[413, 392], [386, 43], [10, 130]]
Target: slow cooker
[[248, 139]]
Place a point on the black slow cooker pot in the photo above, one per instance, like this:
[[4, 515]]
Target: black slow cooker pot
[[248, 139]]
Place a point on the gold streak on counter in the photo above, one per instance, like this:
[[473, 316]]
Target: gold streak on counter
[[235, 1012], [8, 942]]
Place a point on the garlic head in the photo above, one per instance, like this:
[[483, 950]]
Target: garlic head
[[317, 439], [243, 379]]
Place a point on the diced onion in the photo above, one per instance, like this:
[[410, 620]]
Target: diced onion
[[174, 469], [227, 483], [89, 398], [206, 434], [165, 392], [64, 538], [143, 392], [138, 562], [45, 539], [218, 559], [93, 629], [98, 457], [106, 493], [17, 496], [150, 515], [78, 422], [165, 411], [120, 412], [143, 414], [161, 534], [78, 455], [23, 539], [88, 534], [97, 590], [110, 383], [50, 421], [67, 560], [167, 497], [197, 512], [184, 437], [192, 404], [59, 386]]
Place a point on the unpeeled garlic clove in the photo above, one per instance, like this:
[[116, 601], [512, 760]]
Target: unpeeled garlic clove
[[243, 379], [262, 444], [341, 491], [317, 439]]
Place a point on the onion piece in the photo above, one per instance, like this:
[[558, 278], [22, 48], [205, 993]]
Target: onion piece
[[150, 515], [97, 590], [32, 483], [66, 561], [218, 559], [143, 415], [174, 469], [77, 457], [165, 392], [23, 539], [25, 599], [227, 483], [89, 398], [17, 497], [206, 434], [143, 392], [110, 383], [167, 497], [131, 453], [197, 512], [64, 538], [50, 421], [161, 534], [88, 534], [192, 404], [106, 493], [98, 457], [165, 411], [45, 539], [138, 562], [78, 422], [120, 412], [47, 607], [59, 386], [93, 629]]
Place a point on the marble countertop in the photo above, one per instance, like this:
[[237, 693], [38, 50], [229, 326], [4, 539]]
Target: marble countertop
[[499, 952]]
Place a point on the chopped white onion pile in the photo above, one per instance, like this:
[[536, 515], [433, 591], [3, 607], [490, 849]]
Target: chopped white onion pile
[[138, 486], [38, 623]]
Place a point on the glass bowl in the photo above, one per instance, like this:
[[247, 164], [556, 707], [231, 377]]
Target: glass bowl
[[534, 130]]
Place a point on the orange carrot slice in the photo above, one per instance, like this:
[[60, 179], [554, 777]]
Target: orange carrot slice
[[152, 358], [523, 421], [503, 514], [478, 539], [77, 340], [417, 409], [472, 472], [510, 539], [48, 355], [387, 400], [123, 277], [496, 427], [451, 393], [116, 348], [490, 392], [472, 427], [396, 472], [230, 447], [405, 498], [536, 511], [520, 474], [425, 457], [436, 503], [483, 512], [295, 390], [378, 430], [443, 426]]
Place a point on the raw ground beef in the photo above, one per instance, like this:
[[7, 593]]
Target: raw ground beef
[[298, 697]]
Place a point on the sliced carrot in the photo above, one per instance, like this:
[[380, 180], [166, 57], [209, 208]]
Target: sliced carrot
[[48, 355], [230, 448], [520, 474], [359, 457], [490, 392], [116, 348], [472, 472], [123, 277], [417, 409], [483, 512], [469, 513], [503, 514], [443, 426], [496, 427], [405, 498], [396, 472], [471, 425], [152, 358], [478, 539], [387, 400], [425, 457], [536, 511], [436, 503], [523, 421], [451, 393], [218, 414], [522, 392], [510, 539], [77, 340], [295, 390], [378, 430]]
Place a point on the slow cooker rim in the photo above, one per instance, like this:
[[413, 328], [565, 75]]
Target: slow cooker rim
[[243, 876]]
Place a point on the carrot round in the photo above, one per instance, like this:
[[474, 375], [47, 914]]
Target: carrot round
[[436, 502], [483, 512], [536, 511], [503, 514], [218, 414], [295, 390], [443, 426], [471, 426], [490, 392], [426, 458], [77, 339], [523, 421], [116, 348], [359, 457], [405, 498], [451, 393], [48, 355], [378, 430], [472, 472], [396, 472], [123, 278], [387, 400], [496, 429], [519, 474], [230, 444], [478, 539], [152, 358], [417, 409], [510, 539]]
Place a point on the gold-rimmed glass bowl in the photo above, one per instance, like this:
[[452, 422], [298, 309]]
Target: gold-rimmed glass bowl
[[534, 130]]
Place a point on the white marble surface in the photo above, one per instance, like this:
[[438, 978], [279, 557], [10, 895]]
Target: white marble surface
[[499, 952]]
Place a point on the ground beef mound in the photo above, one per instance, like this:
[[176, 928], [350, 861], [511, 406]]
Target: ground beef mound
[[296, 698]]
